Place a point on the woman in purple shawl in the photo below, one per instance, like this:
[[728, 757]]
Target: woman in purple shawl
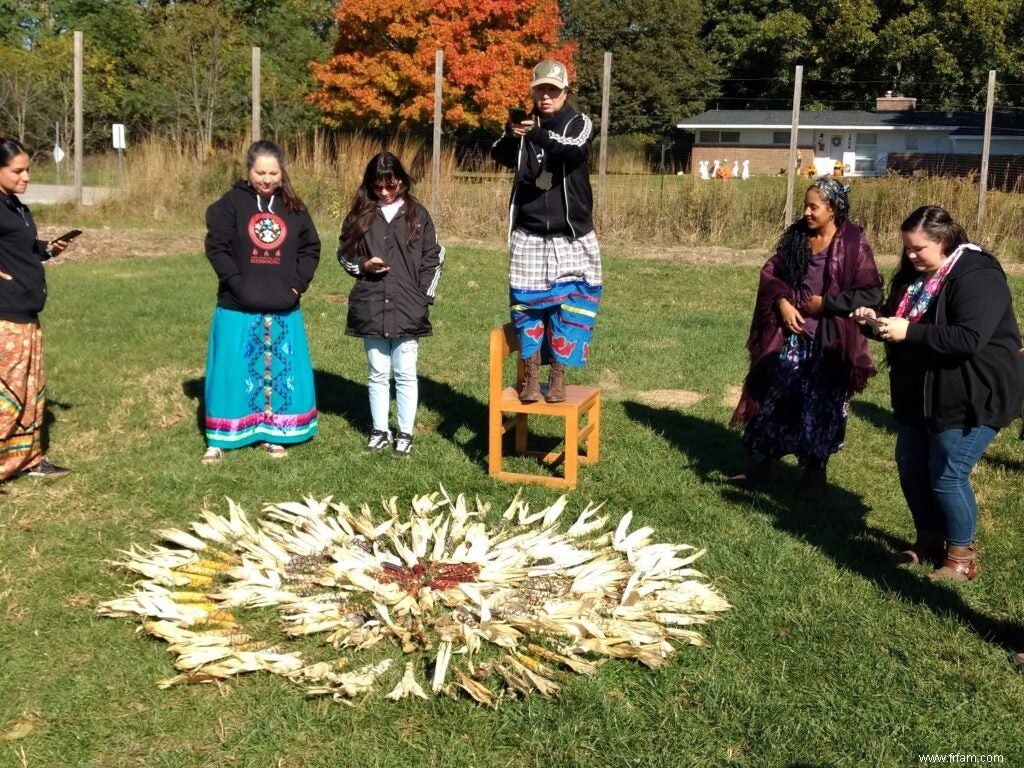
[[807, 357]]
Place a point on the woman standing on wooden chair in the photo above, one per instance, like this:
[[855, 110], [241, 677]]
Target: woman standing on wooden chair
[[554, 258]]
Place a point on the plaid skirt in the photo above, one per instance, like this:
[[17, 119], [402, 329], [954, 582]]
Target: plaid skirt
[[22, 396]]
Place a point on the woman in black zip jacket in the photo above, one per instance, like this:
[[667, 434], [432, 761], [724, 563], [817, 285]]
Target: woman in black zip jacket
[[22, 296], [956, 378], [388, 244]]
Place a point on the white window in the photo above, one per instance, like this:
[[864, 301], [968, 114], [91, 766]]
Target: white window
[[718, 137], [867, 140], [780, 137]]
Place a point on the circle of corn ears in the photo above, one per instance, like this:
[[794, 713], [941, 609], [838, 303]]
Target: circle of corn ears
[[492, 611]]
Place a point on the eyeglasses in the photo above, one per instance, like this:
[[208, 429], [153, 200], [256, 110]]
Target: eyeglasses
[[389, 186]]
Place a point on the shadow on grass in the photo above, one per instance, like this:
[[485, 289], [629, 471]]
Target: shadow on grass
[[49, 419], [836, 527], [195, 389], [457, 411], [343, 397], [874, 415], [334, 395]]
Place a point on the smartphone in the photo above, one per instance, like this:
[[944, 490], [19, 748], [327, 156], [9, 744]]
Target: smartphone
[[69, 235], [872, 323], [517, 115]]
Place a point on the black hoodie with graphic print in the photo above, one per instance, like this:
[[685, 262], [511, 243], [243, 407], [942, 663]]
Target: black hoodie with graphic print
[[264, 255]]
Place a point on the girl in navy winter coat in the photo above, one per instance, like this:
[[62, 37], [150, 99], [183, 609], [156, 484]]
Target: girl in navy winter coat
[[389, 245]]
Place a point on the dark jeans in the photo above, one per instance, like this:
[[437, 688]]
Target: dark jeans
[[934, 472]]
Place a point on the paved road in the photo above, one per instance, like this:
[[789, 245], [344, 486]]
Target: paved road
[[51, 193]]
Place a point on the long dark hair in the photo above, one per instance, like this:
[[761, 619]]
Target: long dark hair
[[266, 148], [10, 149], [937, 224], [383, 168], [794, 244]]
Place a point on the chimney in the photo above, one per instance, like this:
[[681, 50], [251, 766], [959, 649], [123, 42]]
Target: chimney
[[894, 103]]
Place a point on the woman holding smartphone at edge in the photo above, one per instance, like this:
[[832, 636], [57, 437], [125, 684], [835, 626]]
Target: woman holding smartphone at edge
[[956, 378], [554, 259], [22, 297]]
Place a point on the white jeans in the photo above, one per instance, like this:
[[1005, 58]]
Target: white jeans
[[382, 355]]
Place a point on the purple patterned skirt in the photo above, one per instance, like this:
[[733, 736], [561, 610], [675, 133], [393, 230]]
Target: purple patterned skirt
[[805, 409]]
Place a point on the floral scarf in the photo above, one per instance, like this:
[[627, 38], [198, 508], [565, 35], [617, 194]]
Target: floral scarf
[[922, 292]]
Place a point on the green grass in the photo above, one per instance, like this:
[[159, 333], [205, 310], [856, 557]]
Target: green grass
[[830, 657]]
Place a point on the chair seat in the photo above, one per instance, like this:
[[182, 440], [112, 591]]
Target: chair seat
[[575, 397]]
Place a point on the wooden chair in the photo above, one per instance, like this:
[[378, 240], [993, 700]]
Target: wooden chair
[[579, 402]]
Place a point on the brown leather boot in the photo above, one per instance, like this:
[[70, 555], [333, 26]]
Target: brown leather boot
[[957, 566], [929, 547], [530, 393], [556, 383]]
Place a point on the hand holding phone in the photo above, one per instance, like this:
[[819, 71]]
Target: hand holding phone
[[517, 115], [68, 236]]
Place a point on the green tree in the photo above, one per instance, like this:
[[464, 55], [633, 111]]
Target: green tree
[[937, 51], [193, 68], [292, 34], [660, 72]]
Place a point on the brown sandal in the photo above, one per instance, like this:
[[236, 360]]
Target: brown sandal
[[958, 565]]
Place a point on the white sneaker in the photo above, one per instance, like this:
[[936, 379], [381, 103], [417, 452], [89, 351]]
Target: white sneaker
[[403, 444], [379, 440]]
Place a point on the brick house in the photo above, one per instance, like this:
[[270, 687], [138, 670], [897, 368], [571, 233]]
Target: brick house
[[893, 137]]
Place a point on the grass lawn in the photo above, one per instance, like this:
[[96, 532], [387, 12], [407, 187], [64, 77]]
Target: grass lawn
[[829, 658]]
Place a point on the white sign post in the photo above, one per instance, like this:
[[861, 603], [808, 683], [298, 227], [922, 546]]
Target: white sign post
[[119, 145]]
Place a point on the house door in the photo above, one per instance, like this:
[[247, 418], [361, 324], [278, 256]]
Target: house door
[[836, 146]]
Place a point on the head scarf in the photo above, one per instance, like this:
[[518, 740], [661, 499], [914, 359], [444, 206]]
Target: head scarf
[[836, 193]]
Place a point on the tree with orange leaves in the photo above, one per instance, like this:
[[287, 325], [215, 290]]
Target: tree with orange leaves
[[381, 74]]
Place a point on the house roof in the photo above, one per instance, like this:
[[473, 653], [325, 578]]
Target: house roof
[[965, 123]]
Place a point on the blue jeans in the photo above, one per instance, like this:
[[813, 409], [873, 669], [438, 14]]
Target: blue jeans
[[934, 472], [383, 355]]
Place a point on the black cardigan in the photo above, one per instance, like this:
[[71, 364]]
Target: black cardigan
[[960, 364], [22, 254]]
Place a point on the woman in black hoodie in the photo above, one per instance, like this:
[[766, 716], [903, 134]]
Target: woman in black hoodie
[[264, 248], [22, 296], [956, 378]]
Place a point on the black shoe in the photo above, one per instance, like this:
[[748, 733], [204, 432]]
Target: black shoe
[[45, 469], [403, 444], [379, 440]]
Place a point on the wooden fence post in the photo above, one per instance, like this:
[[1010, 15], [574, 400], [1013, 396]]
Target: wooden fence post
[[985, 147], [798, 79]]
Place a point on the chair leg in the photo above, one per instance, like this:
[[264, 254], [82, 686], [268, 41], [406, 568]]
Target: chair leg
[[594, 439], [572, 449], [494, 435], [521, 432]]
